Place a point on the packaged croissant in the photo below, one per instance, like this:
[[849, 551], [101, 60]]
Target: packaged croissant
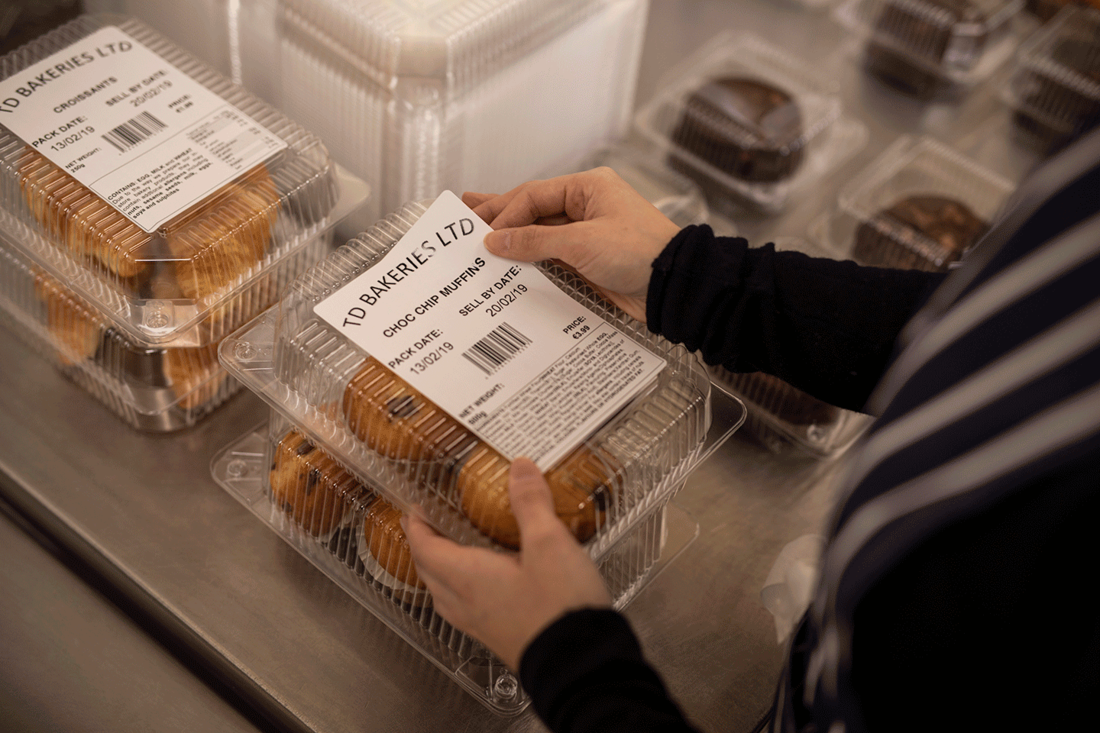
[[157, 190]]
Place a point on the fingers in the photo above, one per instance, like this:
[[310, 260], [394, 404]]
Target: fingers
[[533, 505], [572, 244]]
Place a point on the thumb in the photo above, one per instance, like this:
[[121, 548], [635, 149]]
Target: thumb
[[532, 503]]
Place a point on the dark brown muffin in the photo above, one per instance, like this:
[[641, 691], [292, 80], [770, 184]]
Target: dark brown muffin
[[909, 42], [922, 232], [744, 127]]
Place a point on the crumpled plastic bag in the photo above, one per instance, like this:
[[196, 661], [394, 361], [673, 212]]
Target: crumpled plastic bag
[[791, 582]]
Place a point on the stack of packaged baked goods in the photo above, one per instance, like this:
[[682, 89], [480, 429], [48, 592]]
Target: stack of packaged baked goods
[[149, 207], [419, 97], [408, 369]]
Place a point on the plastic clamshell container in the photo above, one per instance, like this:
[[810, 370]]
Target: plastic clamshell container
[[418, 97], [749, 124], [1044, 10], [204, 272], [1054, 90], [919, 205], [346, 528], [392, 436], [150, 388], [927, 47]]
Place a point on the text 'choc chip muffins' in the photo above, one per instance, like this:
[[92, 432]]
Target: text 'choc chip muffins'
[[176, 229], [390, 434]]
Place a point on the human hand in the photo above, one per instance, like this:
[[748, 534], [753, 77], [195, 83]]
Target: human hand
[[592, 221], [506, 600]]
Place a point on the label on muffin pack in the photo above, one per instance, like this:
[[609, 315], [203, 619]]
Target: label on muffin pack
[[491, 341], [133, 128]]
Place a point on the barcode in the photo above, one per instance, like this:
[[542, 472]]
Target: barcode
[[130, 133], [496, 349]]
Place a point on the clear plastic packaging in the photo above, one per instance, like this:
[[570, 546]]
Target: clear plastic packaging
[[392, 436], [462, 95], [1044, 10], [149, 387], [919, 205], [749, 124], [932, 47], [205, 271], [1054, 90], [349, 530]]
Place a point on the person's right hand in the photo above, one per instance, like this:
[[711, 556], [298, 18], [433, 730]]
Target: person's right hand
[[592, 221]]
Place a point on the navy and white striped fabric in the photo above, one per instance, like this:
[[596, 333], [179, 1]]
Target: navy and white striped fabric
[[994, 393]]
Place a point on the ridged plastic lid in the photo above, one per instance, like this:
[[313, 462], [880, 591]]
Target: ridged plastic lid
[[1057, 74], [180, 282], [457, 42], [958, 39]]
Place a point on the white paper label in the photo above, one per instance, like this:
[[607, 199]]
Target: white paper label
[[491, 341], [143, 135]]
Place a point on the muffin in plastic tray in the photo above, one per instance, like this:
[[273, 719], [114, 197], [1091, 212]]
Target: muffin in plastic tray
[[1054, 90], [150, 388], [920, 205], [346, 527], [749, 123], [930, 47], [217, 187], [392, 435], [475, 95], [675, 195]]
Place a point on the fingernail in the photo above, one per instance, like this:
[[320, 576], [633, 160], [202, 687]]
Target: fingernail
[[499, 241]]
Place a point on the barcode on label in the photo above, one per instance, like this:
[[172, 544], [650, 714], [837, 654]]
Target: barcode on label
[[496, 349], [132, 132]]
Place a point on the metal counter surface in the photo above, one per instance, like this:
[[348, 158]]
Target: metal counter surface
[[144, 515]]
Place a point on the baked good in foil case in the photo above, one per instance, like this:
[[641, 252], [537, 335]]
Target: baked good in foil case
[[922, 232], [384, 551], [397, 421], [745, 127], [911, 41]]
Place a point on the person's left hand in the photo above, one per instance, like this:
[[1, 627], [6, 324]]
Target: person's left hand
[[506, 600]]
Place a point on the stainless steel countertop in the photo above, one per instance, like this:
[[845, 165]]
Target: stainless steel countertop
[[144, 515]]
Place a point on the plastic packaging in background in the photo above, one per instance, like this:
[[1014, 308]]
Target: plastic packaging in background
[[465, 95], [1054, 90], [204, 272], [780, 415], [931, 48], [675, 195], [750, 124], [919, 205], [150, 388], [390, 435], [349, 531]]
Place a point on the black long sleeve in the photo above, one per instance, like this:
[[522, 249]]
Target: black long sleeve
[[825, 326]]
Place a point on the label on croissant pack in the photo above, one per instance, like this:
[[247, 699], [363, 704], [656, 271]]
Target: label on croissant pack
[[140, 133], [491, 341]]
